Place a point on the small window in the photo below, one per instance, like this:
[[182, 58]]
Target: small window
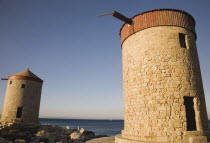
[[10, 82], [23, 86], [19, 112], [182, 40]]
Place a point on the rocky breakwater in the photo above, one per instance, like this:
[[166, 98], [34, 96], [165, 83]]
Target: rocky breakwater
[[45, 134]]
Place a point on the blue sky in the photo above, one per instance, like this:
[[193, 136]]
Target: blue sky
[[77, 54]]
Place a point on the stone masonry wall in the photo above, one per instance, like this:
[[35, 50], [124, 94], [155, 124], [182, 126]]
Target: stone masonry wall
[[28, 98], [157, 74]]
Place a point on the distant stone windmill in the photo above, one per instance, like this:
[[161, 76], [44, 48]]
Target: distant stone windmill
[[22, 100]]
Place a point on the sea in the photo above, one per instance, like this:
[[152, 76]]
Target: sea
[[99, 127]]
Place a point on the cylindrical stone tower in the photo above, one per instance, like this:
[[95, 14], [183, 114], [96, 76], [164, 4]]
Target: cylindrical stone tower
[[22, 100], [163, 92]]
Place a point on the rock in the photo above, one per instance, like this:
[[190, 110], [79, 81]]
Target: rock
[[20, 141], [81, 130], [77, 136], [51, 137], [33, 139], [50, 129], [58, 129], [68, 128], [12, 134], [52, 134], [89, 135], [78, 141], [68, 132], [45, 134], [78, 128], [44, 140], [40, 133], [3, 140], [100, 136], [66, 141], [25, 135]]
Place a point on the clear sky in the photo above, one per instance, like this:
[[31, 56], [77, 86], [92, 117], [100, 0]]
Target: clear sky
[[77, 54]]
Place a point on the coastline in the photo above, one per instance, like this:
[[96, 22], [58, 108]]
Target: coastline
[[107, 127], [13, 133]]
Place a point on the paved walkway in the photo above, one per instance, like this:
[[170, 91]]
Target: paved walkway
[[102, 140]]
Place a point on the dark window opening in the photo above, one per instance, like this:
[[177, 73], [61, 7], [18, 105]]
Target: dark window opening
[[190, 113], [19, 112], [182, 40], [23, 86], [10, 82]]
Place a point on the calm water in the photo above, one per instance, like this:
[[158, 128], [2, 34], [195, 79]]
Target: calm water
[[99, 127], [107, 127]]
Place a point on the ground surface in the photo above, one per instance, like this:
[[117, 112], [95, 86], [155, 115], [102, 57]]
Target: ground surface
[[102, 140]]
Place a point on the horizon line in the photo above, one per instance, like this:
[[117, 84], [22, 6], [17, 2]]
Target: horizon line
[[76, 118]]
